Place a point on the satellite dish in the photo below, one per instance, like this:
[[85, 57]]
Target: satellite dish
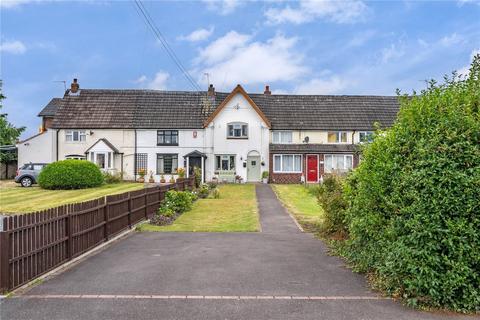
[[306, 139]]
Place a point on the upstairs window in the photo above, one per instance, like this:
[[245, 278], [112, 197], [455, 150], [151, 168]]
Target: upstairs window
[[167, 138], [237, 130], [282, 137], [337, 137], [75, 135], [366, 136]]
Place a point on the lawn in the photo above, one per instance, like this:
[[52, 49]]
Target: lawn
[[235, 211], [301, 203], [15, 199]]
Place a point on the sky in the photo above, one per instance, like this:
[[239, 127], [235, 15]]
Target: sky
[[302, 47]]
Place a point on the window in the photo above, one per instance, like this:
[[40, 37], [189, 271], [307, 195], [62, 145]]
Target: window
[[337, 137], [287, 163], [237, 130], [282, 137], [167, 163], [167, 138], [75, 156], [75, 135], [366, 136], [225, 162], [141, 160], [339, 162]]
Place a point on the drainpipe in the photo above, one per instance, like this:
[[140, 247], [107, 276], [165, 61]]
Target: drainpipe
[[56, 144], [135, 158]]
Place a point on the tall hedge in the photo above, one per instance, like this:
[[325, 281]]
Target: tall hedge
[[70, 174], [414, 201]]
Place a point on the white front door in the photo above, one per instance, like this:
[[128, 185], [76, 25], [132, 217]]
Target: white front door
[[253, 168]]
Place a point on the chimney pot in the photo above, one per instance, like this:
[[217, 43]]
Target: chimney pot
[[74, 86], [267, 90], [211, 91]]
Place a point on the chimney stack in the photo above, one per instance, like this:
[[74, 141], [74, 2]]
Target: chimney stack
[[211, 91], [74, 87], [267, 90]]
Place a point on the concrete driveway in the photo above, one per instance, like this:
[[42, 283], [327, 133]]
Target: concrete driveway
[[280, 273]]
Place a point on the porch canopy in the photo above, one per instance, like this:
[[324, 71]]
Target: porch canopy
[[195, 158]]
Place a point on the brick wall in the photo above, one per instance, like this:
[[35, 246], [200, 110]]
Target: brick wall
[[282, 177]]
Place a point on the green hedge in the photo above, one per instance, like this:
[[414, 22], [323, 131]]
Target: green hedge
[[414, 201], [70, 174]]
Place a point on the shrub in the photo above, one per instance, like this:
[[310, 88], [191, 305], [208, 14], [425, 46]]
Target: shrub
[[331, 198], [265, 175], [414, 212], [203, 191], [178, 201], [198, 176], [112, 177], [212, 184], [216, 193], [70, 174]]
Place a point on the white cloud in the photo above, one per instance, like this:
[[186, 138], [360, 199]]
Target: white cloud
[[12, 3], [234, 59], [451, 39], [13, 47], [159, 82], [329, 85], [466, 69], [392, 53], [223, 7], [309, 10], [198, 35]]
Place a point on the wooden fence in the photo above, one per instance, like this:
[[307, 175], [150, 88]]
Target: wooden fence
[[35, 243]]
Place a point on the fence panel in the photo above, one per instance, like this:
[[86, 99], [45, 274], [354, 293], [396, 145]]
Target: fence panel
[[35, 243]]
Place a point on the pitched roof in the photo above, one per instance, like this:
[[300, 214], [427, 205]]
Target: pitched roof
[[51, 108], [238, 90], [313, 147], [108, 143], [149, 109]]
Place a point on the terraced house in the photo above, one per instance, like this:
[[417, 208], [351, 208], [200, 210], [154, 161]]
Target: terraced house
[[230, 136]]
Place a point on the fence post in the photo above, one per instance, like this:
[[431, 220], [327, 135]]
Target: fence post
[[69, 232], [4, 261], [106, 213], [129, 210]]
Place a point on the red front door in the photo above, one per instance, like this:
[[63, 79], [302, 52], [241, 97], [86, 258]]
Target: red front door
[[312, 168]]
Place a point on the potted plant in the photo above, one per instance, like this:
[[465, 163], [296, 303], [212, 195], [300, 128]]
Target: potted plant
[[141, 173], [151, 179], [181, 173], [172, 179], [265, 176], [162, 179]]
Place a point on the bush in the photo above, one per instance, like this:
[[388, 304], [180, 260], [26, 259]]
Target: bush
[[112, 177], [70, 174], [178, 201], [331, 198], [414, 212], [198, 176], [203, 191], [216, 193]]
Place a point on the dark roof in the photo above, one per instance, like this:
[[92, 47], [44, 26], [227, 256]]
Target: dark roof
[[111, 146], [312, 147], [323, 112], [51, 108], [148, 109], [195, 153]]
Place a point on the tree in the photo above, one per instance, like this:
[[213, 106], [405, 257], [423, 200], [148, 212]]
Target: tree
[[8, 132]]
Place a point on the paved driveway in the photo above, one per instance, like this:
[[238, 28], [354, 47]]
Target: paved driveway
[[280, 273]]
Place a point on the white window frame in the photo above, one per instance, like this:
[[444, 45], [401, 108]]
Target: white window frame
[[227, 157], [345, 156], [281, 163], [109, 158], [75, 157], [280, 137], [79, 133], [367, 134], [339, 137], [237, 126]]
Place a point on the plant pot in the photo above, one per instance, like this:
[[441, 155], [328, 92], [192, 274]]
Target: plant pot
[[151, 180], [141, 180], [265, 180], [163, 181]]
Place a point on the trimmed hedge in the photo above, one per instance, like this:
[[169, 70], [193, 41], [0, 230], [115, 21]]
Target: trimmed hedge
[[414, 201], [70, 174]]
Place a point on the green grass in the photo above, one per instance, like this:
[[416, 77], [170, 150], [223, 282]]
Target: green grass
[[301, 203], [235, 211], [15, 199]]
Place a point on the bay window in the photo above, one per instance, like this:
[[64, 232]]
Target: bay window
[[338, 163], [287, 163]]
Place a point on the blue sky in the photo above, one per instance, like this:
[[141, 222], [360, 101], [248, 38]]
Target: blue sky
[[306, 47]]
